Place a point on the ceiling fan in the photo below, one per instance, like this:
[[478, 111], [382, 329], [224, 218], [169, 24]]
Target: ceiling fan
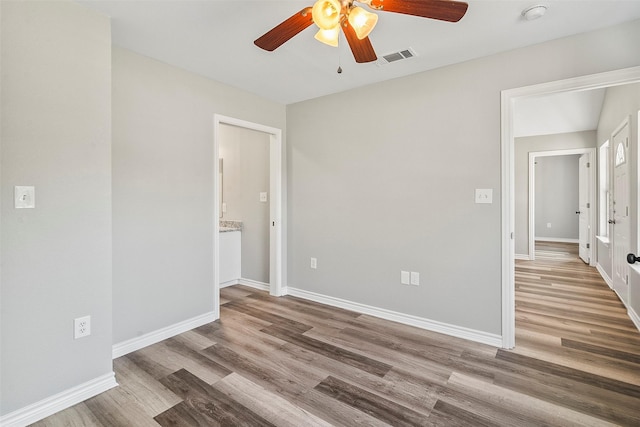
[[356, 23]]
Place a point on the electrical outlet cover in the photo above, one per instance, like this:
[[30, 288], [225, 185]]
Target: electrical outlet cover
[[81, 327], [25, 197]]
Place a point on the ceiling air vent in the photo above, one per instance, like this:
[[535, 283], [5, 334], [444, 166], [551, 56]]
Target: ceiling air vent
[[397, 56]]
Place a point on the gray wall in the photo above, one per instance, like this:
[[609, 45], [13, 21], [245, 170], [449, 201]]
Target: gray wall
[[245, 154], [163, 189], [56, 258], [392, 187], [556, 197], [621, 102], [523, 146]]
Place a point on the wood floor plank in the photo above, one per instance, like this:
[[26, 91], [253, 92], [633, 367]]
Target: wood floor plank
[[116, 408], [601, 350], [209, 403], [152, 396], [268, 405], [77, 416], [447, 414], [547, 413], [341, 355], [370, 403]]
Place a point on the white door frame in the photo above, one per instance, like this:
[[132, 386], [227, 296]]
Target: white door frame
[[532, 193], [277, 190], [508, 98]]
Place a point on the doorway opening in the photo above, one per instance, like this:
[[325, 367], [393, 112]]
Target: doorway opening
[[508, 99], [277, 230], [585, 201]]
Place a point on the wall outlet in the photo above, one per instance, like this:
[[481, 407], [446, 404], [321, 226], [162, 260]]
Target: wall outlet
[[314, 263], [484, 195], [81, 327], [25, 197], [404, 278], [548, 225], [415, 278], [263, 196]]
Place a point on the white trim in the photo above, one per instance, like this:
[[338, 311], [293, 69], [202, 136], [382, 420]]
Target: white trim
[[146, 340], [604, 275], [634, 317], [59, 402], [508, 97], [229, 283], [556, 240], [254, 284], [407, 319], [277, 188], [523, 257], [604, 240]]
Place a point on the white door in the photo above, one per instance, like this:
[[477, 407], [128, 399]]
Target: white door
[[584, 208], [620, 211]]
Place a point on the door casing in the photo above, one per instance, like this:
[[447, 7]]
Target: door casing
[[277, 240], [532, 192], [508, 98]]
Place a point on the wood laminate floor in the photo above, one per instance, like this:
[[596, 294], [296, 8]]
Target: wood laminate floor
[[289, 362]]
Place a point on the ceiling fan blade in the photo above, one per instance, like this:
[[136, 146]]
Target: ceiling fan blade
[[443, 10], [283, 32], [362, 49]]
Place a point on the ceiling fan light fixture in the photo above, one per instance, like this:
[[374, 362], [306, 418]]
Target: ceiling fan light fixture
[[326, 13], [329, 37], [362, 21]]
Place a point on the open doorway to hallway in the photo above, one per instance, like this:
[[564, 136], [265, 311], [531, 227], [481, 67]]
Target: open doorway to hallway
[[621, 98]]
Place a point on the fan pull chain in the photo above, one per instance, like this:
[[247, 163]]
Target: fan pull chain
[[339, 71]]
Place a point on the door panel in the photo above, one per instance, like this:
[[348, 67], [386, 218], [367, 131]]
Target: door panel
[[620, 212], [584, 208]]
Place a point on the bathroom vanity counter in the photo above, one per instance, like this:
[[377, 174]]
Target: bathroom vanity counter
[[226, 226]]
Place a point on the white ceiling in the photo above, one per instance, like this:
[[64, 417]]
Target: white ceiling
[[558, 113], [214, 38]]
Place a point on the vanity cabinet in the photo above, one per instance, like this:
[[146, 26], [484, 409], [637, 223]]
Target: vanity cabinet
[[230, 253]]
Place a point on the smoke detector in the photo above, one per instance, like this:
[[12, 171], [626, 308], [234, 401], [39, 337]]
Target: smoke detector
[[534, 12]]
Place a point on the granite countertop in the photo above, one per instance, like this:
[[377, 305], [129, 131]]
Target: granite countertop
[[226, 225]]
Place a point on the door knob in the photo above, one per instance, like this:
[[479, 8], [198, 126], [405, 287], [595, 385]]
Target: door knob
[[612, 221], [632, 258], [577, 212]]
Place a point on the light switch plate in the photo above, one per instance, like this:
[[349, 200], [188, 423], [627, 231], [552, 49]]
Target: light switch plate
[[415, 278], [25, 197], [484, 195], [404, 277], [263, 196]]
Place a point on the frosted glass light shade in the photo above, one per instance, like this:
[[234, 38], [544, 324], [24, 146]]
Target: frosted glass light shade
[[362, 21], [326, 13], [329, 37]]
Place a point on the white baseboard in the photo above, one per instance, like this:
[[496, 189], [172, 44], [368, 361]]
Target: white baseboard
[[407, 319], [145, 340], [254, 284], [524, 257], [229, 283], [634, 317], [58, 402], [604, 275], [556, 240], [247, 282]]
